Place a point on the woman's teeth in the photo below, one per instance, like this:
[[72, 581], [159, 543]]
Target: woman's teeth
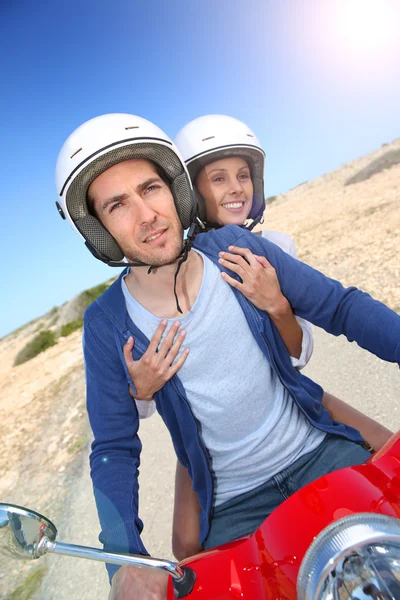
[[233, 205]]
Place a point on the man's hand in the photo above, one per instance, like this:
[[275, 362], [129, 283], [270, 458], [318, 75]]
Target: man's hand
[[259, 279], [155, 367], [132, 583]]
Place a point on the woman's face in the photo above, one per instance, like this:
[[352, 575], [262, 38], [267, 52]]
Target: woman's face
[[227, 190]]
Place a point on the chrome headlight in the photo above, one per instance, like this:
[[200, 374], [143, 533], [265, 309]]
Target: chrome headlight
[[355, 558]]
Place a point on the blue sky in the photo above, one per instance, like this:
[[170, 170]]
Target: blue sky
[[316, 80]]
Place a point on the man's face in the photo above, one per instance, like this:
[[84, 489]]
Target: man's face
[[227, 190], [136, 206]]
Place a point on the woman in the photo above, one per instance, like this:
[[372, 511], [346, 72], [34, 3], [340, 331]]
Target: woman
[[226, 164]]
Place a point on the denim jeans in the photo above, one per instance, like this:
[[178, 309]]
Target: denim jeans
[[244, 514]]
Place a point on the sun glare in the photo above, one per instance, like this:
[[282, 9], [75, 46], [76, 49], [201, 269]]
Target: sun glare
[[353, 43], [368, 25]]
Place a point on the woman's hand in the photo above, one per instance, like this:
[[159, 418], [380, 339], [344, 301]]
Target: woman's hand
[[157, 365], [260, 285], [259, 280]]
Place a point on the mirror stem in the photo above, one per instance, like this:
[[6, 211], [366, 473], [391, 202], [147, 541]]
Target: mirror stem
[[45, 545]]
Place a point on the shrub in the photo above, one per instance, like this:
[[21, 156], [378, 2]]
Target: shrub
[[77, 445], [45, 339], [90, 295], [386, 161], [29, 586], [70, 327]]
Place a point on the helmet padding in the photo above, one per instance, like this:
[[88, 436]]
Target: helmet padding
[[256, 166], [76, 198]]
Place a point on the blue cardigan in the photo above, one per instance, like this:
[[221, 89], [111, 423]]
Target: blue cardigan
[[113, 415]]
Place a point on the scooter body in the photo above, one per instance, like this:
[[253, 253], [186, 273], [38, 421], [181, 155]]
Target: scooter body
[[265, 565], [359, 506]]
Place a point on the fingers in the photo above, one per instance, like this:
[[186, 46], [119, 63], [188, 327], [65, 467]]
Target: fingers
[[156, 339], [241, 262], [233, 282], [179, 363], [233, 267], [168, 349], [155, 367], [127, 349], [237, 264], [169, 339], [171, 347], [172, 353], [247, 254], [263, 261]]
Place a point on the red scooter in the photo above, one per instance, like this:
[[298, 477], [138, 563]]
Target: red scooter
[[337, 538]]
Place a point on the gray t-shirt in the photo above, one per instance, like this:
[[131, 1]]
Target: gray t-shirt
[[251, 426]]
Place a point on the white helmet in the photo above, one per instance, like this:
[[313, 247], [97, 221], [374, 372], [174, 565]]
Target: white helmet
[[212, 137], [96, 146]]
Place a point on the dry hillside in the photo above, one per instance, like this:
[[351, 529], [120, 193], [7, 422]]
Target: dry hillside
[[345, 223]]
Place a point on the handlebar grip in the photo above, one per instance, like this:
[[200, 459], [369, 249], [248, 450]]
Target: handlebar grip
[[185, 584]]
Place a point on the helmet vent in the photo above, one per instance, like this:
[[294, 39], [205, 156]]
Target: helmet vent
[[75, 153], [208, 138], [249, 135], [132, 127]]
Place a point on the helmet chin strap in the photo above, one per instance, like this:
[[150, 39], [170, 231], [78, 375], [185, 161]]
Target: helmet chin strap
[[111, 263], [250, 226], [187, 246], [183, 255]]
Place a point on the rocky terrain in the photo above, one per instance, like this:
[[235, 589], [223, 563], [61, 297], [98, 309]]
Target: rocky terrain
[[345, 223]]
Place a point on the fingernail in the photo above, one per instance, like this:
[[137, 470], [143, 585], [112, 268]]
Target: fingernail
[[220, 253], [177, 323], [164, 322], [183, 332], [231, 247]]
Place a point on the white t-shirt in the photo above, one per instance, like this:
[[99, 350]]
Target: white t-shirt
[[250, 425], [146, 408]]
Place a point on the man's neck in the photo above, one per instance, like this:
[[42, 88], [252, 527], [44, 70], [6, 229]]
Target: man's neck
[[155, 290]]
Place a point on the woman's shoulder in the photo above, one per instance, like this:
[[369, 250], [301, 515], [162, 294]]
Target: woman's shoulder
[[283, 240]]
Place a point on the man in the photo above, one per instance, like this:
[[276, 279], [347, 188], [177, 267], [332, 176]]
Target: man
[[126, 190]]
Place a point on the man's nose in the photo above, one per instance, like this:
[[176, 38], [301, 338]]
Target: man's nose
[[145, 213]]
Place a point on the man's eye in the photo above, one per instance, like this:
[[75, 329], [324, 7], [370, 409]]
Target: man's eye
[[115, 206], [151, 188]]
